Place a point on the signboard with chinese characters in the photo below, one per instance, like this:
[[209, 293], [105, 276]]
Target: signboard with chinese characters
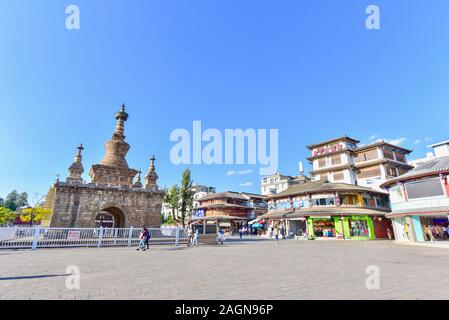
[[329, 149], [74, 235], [199, 213]]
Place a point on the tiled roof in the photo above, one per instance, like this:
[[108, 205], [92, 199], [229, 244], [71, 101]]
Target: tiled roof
[[321, 186], [329, 211], [222, 195], [421, 211], [431, 167], [222, 217], [222, 205], [345, 138], [381, 143]]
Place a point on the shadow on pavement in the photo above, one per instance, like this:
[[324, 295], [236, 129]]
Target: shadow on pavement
[[35, 277]]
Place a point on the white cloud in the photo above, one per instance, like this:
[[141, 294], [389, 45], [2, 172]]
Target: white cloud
[[426, 139], [241, 172], [246, 184], [374, 136], [397, 141]]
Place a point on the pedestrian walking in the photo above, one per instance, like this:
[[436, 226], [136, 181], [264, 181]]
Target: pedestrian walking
[[142, 237], [190, 236], [147, 238], [221, 237], [241, 233], [276, 234], [195, 238]]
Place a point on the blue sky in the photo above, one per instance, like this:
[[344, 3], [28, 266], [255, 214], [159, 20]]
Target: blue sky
[[308, 68]]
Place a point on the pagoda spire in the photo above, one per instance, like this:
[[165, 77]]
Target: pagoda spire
[[121, 116], [76, 169], [152, 166], [138, 184], [151, 177], [79, 157]]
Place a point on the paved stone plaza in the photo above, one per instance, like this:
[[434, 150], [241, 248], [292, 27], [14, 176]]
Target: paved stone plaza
[[238, 270]]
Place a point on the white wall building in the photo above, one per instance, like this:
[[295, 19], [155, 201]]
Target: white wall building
[[277, 182], [342, 160]]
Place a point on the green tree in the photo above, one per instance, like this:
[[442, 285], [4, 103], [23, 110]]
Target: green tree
[[6, 216], [186, 195], [15, 200], [172, 198]]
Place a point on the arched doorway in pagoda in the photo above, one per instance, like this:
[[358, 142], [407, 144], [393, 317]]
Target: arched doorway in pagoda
[[110, 217]]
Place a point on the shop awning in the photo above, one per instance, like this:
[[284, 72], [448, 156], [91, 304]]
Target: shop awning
[[427, 211], [208, 218], [323, 211]]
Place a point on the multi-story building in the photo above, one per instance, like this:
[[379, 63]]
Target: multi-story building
[[342, 160], [230, 209], [199, 191], [439, 150], [322, 209], [420, 199], [277, 182]]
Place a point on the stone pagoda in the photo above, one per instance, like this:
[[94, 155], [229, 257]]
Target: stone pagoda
[[112, 198]]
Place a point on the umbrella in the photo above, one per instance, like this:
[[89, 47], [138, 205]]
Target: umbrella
[[257, 226]]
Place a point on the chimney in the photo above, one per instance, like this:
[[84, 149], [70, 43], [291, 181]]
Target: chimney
[[301, 169]]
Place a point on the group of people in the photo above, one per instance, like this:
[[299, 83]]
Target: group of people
[[192, 237], [277, 231], [435, 232], [144, 239]]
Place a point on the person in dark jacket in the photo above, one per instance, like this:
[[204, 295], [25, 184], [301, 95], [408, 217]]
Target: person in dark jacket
[[147, 238]]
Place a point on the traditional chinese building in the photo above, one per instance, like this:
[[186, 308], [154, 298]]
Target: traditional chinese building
[[342, 160], [229, 209], [420, 199], [323, 209], [115, 197]]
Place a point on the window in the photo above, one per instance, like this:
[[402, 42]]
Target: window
[[350, 200], [424, 188], [366, 156], [321, 162], [369, 202], [336, 159], [400, 157], [392, 171], [379, 203], [369, 172], [339, 176], [324, 202], [388, 154]]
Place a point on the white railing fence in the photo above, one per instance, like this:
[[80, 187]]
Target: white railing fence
[[41, 237]]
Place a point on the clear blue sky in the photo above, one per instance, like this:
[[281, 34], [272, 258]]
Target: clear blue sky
[[309, 68]]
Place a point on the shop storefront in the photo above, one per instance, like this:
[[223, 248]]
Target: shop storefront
[[420, 202], [352, 227], [421, 228], [326, 210], [297, 226], [435, 228], [322, 227]]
